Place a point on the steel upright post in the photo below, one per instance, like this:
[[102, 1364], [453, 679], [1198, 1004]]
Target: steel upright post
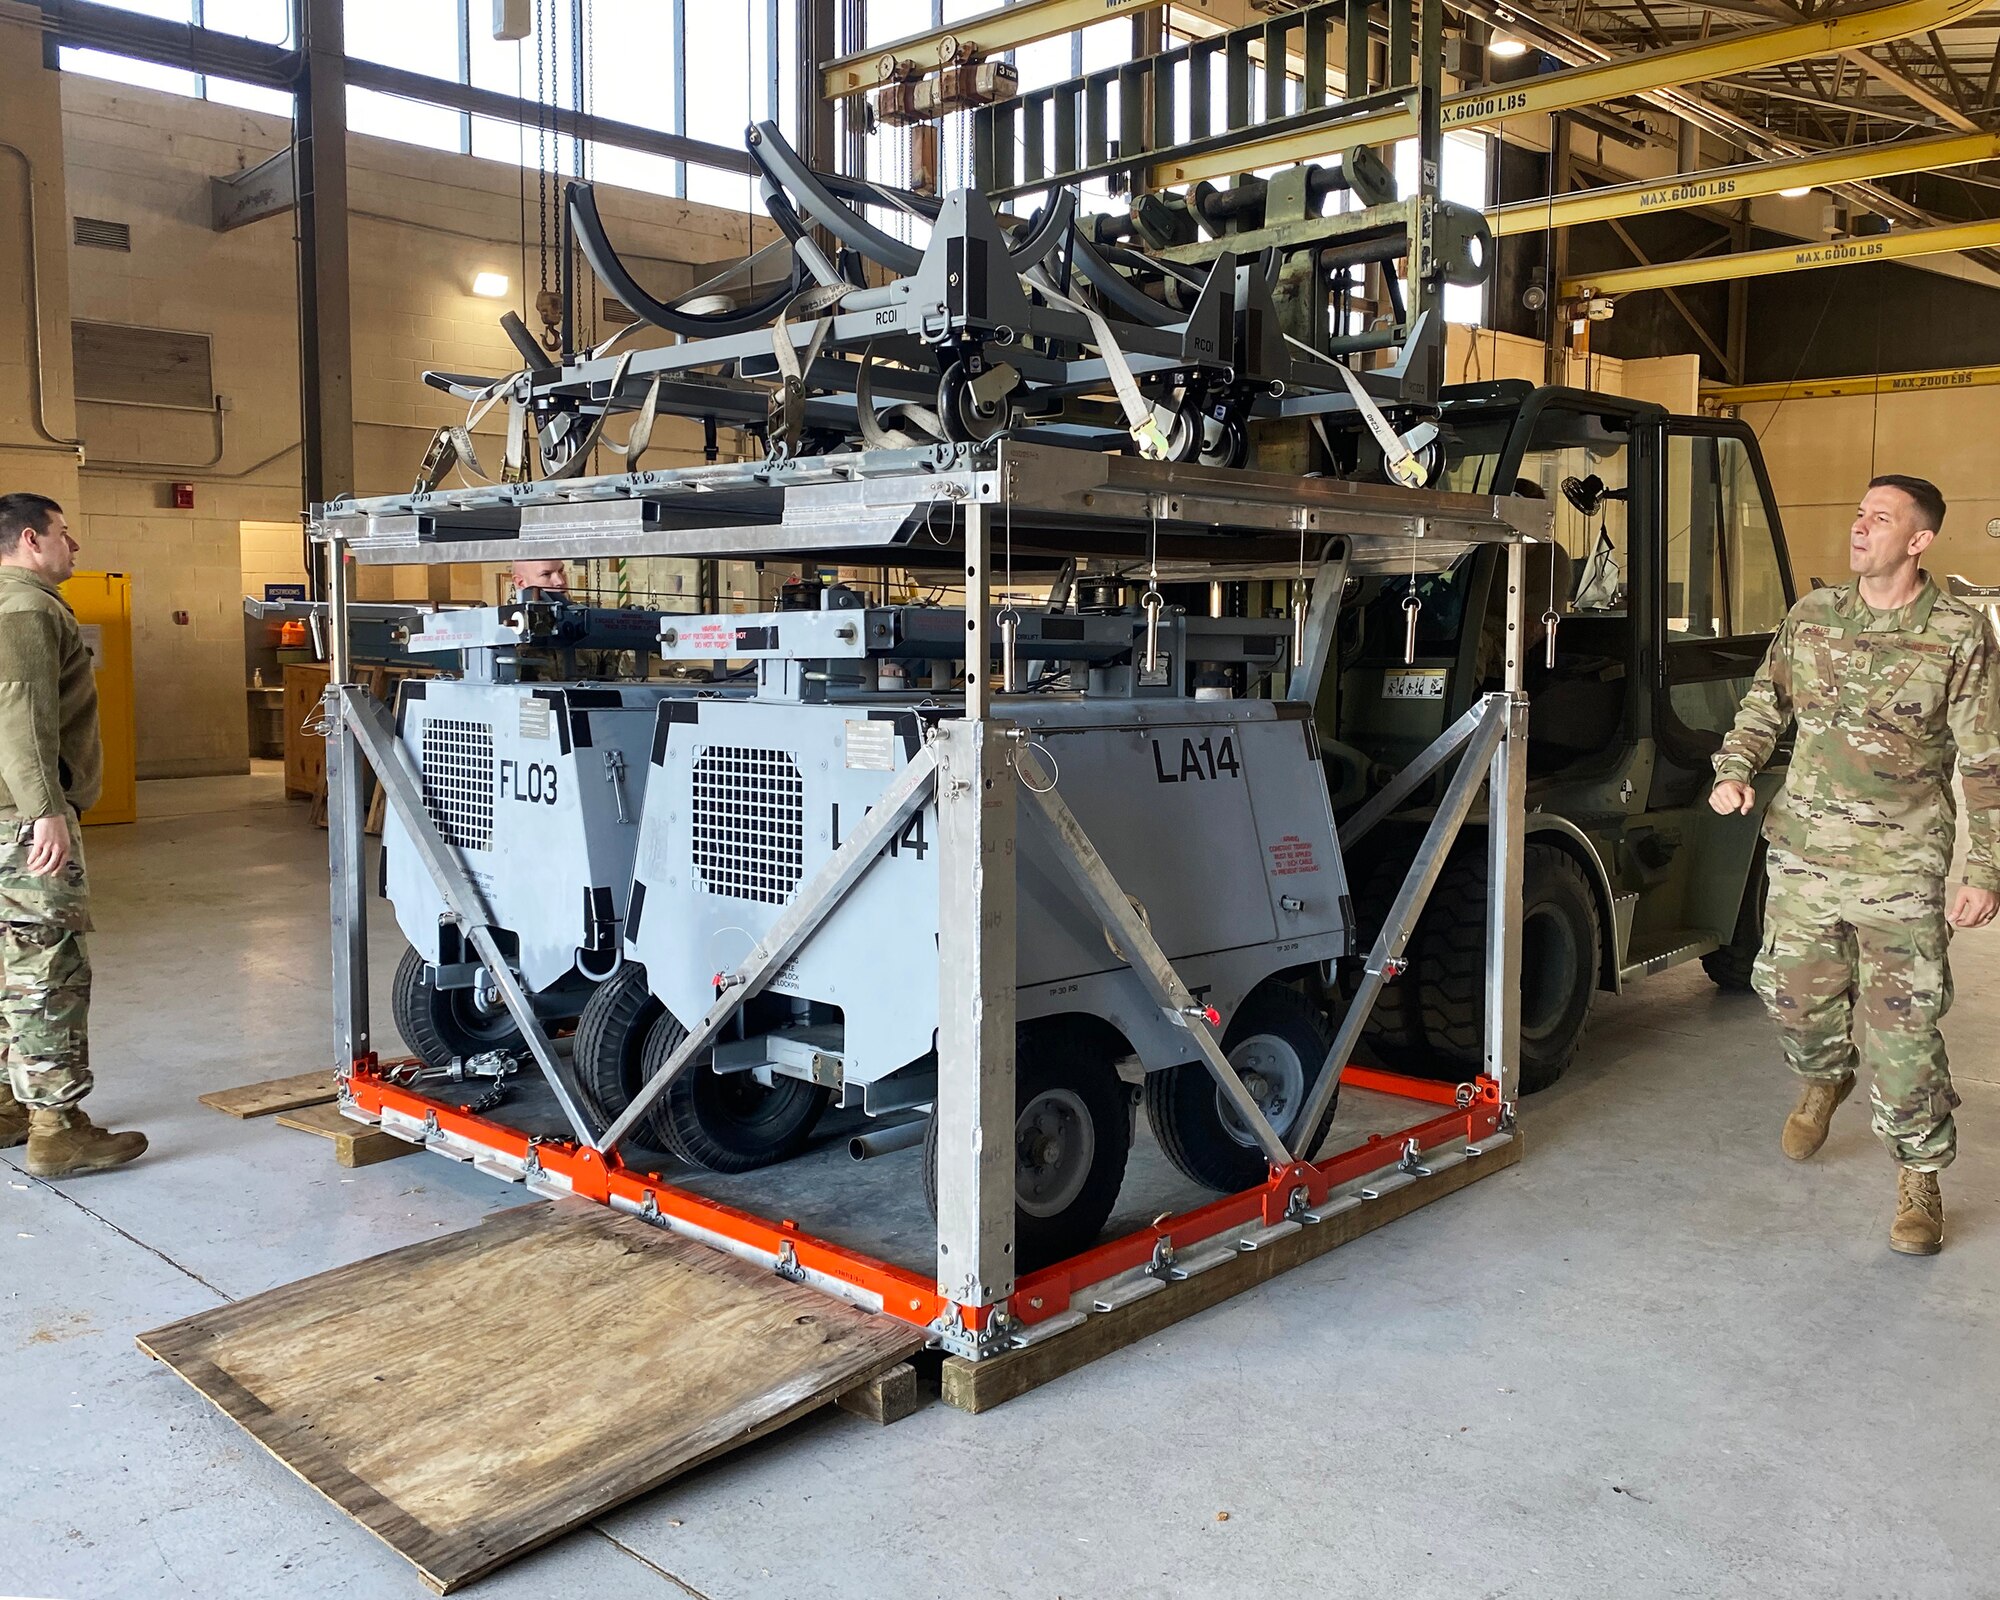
[[345, 813], [1505, 790], [975, 1101]]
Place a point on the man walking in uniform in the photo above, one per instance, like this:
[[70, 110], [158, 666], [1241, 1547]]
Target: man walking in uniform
[[1891, 683], [51, 767]]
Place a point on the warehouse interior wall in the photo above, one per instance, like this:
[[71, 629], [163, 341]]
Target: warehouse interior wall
[[1822, 452], [34, 268], [424, 222]]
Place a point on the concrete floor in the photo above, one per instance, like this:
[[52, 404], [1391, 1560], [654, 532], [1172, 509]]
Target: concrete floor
[[1655, 1359]]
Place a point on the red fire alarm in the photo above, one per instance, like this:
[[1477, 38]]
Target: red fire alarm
[[183, 497]]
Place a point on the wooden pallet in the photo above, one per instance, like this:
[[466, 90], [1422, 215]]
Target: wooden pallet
[[355, 1144], [982, 1385], [274, 1094], [469, 1398]]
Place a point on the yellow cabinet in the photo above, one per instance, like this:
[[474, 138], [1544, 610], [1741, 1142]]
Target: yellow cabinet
[[102, 602]]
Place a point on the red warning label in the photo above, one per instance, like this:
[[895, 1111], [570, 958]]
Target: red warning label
[[1292, 855]]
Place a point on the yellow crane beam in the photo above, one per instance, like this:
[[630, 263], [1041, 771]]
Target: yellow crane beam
[[1898, 246], [1583, 86], [1746, 182], [1750, 394], [992, 31]]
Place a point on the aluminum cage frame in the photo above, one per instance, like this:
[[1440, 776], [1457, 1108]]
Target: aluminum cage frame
[[1038, 500]]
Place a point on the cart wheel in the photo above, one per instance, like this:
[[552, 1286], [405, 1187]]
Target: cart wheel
[[965, 420], [610, 1042], [728, 1121], [443, 1024], [1278, 1044], [1231, 449], [1072, 1134]]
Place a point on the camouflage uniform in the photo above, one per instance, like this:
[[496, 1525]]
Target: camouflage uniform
[[1861, 838], [51, 764]]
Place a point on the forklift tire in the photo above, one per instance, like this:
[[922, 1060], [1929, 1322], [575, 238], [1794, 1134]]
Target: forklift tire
[[1280, 1036], [1072, 1134], [1732, 967], [1393, 1035], [1559, 961], [728, 1121], [610, 1046], [442, 1025]]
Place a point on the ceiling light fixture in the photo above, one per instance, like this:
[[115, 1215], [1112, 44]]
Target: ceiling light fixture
[[1794, 194], [1506, 47]]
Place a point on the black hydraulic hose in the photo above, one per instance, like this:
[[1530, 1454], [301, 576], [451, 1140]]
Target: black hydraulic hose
[[612, 272]]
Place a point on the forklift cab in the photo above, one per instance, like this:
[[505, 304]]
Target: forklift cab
[[1647, 615]]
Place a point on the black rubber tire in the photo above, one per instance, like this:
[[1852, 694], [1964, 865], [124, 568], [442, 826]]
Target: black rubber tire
[[609, 1050], [1560, 949], [1394, 1032], [441, 1025], [1185, 1107], [1053, 1060], [1732, 967], [728, 1122]]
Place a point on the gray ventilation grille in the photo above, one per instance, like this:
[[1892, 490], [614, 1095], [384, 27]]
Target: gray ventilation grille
[[748, 833], [616, 310], [457, 762], [104, 235]]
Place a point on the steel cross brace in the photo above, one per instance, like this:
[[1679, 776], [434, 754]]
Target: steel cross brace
[[810, 907], [397, 774], [1148, 961], [1489, 725]]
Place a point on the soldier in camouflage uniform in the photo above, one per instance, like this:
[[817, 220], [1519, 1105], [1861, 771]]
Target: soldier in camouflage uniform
[[1891, 683], [51, 768]]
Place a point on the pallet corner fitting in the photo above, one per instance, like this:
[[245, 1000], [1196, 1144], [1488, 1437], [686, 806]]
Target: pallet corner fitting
[[970, 513]]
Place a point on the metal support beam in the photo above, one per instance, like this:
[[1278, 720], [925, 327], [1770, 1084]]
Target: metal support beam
[[346, 843], [1149, 963], [1694, 323], [1506, 793], [994, 32], [326, 332], [1582, 86], [1751, 394], [402, 785], [976, 1105], [269, 189], [1730, 185], [1910, 89], [814, 902], [1387, 956], [1899, 246]]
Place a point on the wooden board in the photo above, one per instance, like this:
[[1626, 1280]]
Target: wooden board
[[469, 1398], [982, 1385], [274, 1094], [355, 1144]]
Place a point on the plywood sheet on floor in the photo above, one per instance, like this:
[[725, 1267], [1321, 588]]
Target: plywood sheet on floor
[[469, 1398], [274, 1094]]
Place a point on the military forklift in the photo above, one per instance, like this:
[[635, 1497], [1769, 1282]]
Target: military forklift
[[1652, 610]]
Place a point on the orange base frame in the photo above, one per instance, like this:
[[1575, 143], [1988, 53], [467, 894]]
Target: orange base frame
[[911, 1296]]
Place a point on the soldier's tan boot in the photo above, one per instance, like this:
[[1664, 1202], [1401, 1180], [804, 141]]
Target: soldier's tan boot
[[13, 1118], [1919, 1226], [64, 1142], [1805, 1128]]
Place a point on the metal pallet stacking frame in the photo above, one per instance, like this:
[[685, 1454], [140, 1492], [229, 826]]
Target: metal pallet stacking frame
[[958, 506]]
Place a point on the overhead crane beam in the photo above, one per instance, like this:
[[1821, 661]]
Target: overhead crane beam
[[993, 31], [1750, 394], [1897, 246], [1579, 86], [1728, 185]]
